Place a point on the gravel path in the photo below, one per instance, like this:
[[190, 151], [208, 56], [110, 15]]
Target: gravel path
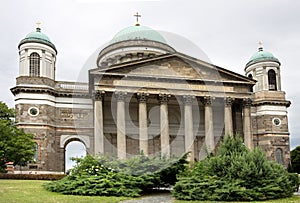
[[154, 198]]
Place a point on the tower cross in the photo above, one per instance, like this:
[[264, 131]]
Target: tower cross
[[260, 48], [137, 15], [38, 24]]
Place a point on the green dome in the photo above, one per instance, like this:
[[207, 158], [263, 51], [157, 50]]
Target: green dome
[[138, 32], [260, 56], [39, 37]]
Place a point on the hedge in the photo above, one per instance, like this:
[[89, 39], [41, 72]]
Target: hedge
[[32, 176]]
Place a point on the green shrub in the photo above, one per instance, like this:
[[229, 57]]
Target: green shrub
[[295, 180], [234, 174], [98, 180], [295, 160], [108, 176]]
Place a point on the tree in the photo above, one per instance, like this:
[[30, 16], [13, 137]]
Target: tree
[[235, 174], [5, 112], [295, 160], [15, 145]]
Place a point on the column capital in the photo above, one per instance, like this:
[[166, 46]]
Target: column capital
[[98, 95], [247, 102], [120, 96], [229, 101], [207, 101], [163, 98], [142, 97], [188, 99]]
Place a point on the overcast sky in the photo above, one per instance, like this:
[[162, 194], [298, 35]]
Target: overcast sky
[[227, 31]]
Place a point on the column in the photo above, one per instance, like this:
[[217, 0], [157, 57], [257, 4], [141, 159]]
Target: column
[[265, 82], [228, 116], [26, 67], [121, 126], [188, 126], [98, 122], [43, 69], [209, 127], [247, 127], [143, 120], [164, 125]]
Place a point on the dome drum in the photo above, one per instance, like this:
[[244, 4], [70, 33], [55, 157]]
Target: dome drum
[[37, 46], [139, 49], [137, 41]]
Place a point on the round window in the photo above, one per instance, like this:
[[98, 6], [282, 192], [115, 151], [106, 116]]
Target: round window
[[33, 111], [276, 121]]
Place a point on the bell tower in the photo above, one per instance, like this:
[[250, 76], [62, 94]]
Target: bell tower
[[34, 96], [269, 112], [37, 55]]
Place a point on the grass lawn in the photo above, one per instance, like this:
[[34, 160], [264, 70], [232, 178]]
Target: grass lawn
[[27, 191], [294, 199]]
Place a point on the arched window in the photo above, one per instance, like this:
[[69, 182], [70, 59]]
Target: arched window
[[75, 149], [34, 64], [251, 77], [272, 80], [279, 156], [36, 154]]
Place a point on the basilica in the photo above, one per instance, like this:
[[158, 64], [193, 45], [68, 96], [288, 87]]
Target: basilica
[[145, 97]]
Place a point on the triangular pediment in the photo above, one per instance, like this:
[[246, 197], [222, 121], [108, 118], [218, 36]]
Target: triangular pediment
[[174, 66]]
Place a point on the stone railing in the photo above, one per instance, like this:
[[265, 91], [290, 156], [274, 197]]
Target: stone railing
[[73, 86]]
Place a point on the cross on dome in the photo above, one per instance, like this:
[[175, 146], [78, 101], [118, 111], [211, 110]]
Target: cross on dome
[[137, 15], [38, 29], [260, 48]]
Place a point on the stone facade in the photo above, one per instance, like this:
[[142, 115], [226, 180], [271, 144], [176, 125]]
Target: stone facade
[[144, 97]]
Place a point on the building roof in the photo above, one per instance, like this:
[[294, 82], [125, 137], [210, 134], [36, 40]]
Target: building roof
[[261, 56], [138, 32], [39, 37]]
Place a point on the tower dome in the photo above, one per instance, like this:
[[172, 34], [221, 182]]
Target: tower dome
[[133, 43], [37, 55], [265, 69], [39, 37], [261, 56]]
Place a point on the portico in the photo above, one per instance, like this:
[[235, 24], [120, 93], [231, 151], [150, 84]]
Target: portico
[[191, 114], [189, 132]]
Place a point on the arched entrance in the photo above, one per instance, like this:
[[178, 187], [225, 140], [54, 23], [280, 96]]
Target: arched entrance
[[75, 149]]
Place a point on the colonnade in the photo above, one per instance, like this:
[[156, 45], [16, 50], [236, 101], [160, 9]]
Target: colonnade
[[164, 123]]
